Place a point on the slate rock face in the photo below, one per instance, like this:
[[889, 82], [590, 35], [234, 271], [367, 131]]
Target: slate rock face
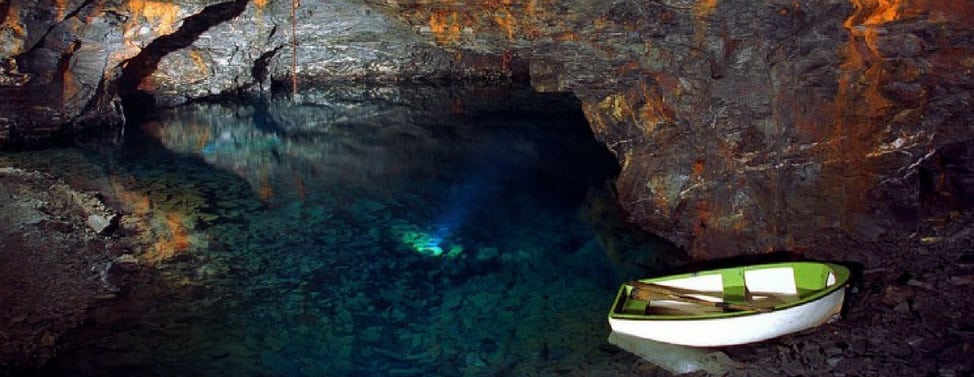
[[335, 40], [746, 126], [69, 65], [741, 126], [57, 61], [790, 124]]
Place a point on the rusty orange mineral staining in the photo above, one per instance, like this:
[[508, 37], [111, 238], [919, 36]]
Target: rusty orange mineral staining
[[148, 84], [506, 22], [160, 17], [704, 8], [805, 113], [203, 138], [531, 7], [594, 118], [179, 240], [198, 61], [69, 85], [702, 11], [12, 21], [703, 217], [568, 36], [450, 22], [617, 106], [630, 66], [654, 110], [659, 187], [259, 6], [878, 12], [138, 203], [860, 110], [173, 241], [169, 246], [698, 167], [643, 106], [445, 26]]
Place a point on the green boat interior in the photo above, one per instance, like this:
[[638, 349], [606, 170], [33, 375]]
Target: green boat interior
[[727, 291]]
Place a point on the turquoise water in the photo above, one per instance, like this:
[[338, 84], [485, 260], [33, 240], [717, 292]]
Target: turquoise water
[[360, 231]]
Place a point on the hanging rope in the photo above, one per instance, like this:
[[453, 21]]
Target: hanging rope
[[294, 46]]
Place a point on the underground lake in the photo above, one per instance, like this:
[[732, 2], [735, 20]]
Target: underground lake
[[357, 231]]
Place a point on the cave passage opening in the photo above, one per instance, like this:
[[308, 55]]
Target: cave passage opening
[[363, 230]]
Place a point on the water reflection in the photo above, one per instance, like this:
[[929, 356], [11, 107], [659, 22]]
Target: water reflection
[[454, 150], [360, 231], [370, 139]]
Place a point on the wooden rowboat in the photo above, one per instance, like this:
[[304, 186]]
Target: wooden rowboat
[[732, 305]]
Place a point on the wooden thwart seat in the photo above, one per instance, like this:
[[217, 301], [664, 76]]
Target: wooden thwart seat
[[646, 292], [757, 290]]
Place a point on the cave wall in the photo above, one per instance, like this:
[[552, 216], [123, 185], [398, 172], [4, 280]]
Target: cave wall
[[741, 126], [754, 126]]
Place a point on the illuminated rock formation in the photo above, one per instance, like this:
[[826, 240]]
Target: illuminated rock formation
[[741, 126], [748, 127]]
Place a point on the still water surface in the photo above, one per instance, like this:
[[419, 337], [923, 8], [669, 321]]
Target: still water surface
[[360, 232]]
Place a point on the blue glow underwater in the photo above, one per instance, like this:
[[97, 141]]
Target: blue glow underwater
[[356, 231]]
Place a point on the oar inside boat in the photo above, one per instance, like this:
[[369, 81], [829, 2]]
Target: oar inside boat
[[728, 306], [644, 291]]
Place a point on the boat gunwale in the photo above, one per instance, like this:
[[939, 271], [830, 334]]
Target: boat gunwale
[[842, 275]]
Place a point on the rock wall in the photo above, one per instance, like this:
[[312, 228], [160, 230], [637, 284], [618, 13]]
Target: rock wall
[[741, 126], [68, 65], [750, 127]]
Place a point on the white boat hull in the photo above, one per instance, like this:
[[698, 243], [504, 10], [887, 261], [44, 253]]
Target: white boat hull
[[724, 331]]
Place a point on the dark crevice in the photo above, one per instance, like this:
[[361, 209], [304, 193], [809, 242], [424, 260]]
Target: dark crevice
[[4, 10], [259, 70], [64, 63], [135, 101], [78, 9], [946, 182]]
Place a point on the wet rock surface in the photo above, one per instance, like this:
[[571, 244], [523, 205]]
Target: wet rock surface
[[58, 70], [58, 253]]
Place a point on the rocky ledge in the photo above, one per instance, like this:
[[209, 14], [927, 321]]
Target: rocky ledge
[[58, 251], [905, 314]]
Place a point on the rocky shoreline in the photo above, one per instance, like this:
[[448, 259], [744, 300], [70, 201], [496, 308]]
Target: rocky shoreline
[[906, 309], [906, 314], [58, 249]]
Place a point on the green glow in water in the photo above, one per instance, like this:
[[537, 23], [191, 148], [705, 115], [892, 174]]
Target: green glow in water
[[425, 243]]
